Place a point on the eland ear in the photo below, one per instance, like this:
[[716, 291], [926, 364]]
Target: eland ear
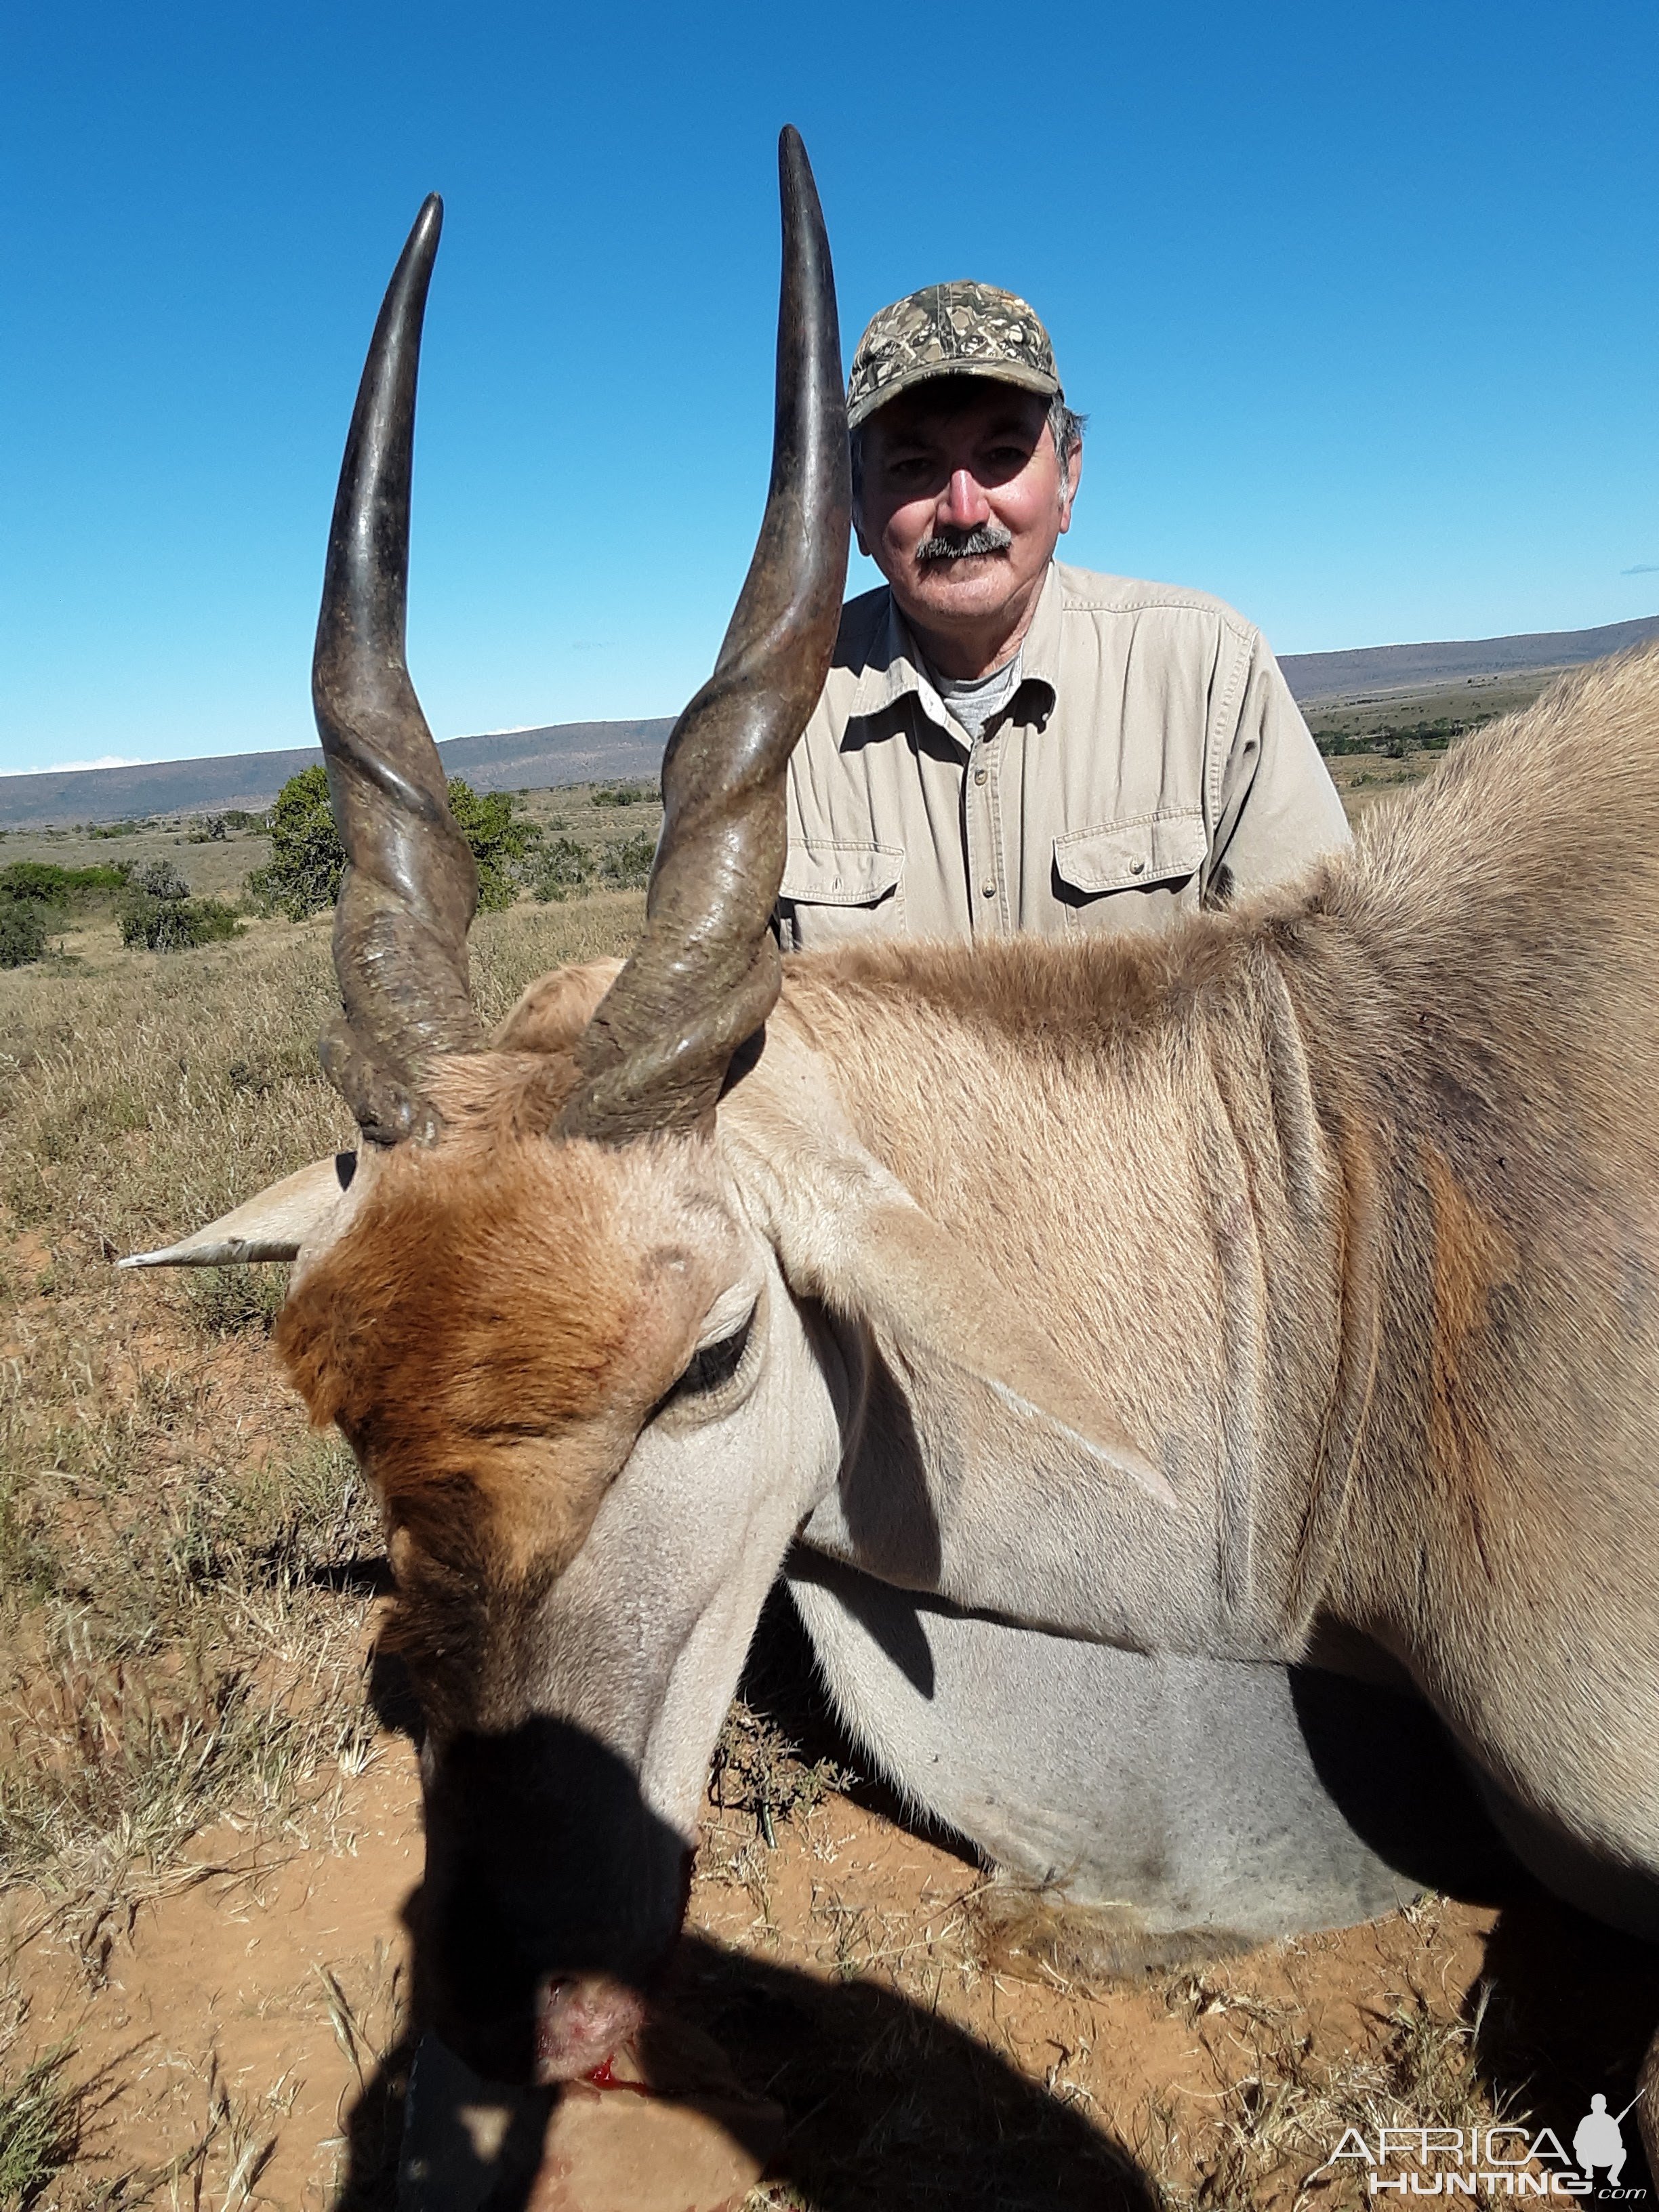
[[272, 1226], [849, 1234]]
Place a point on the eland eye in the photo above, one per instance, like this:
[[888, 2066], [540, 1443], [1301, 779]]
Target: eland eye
[[714, 1364]]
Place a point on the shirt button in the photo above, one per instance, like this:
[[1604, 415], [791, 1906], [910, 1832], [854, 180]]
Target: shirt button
[[980, 775], [989, 887], [1137, 867]]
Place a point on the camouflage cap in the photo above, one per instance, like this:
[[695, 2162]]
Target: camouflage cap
[[948, 330]]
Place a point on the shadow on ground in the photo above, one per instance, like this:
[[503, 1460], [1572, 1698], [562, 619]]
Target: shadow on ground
[[888, 2108]]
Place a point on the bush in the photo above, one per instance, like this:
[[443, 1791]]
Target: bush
[[503, 842], [562, 866], [159, 880], [42, 882], [307, 857], [302, 875], [170, 924], [23, 932], [627, 867], [624, 794], [34, 882]]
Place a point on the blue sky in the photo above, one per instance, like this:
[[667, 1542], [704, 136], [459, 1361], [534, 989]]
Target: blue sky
[[1363, 305]]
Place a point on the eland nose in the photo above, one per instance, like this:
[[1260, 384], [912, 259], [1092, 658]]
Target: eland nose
[[580, 2020]]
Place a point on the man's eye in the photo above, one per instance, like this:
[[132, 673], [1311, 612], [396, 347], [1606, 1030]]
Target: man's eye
[[715, 1364]]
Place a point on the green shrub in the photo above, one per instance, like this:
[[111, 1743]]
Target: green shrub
[[170, 924], [43, 883], [562, 868], [307, 857], [624, 794], [34, 882], [302, 875], [23, 932], [504, 841], [627, 867]]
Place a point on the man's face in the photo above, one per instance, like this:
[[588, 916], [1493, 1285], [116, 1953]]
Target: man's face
[[962, 501]]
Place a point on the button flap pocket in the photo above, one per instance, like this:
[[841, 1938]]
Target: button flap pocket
[[1117, 856], [840, 875]]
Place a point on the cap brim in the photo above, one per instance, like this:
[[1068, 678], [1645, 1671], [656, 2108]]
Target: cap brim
[[988, 372]]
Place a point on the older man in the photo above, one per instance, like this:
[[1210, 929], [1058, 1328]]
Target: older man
[[1005, 743]]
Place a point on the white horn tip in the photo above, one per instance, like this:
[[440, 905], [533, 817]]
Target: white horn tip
[[233, 1252]]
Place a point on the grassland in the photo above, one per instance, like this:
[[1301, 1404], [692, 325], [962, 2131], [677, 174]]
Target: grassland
[[218, 866], [193, 1761], [185, 1573]]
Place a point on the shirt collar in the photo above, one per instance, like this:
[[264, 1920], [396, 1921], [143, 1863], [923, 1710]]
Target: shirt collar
[[894, 667]]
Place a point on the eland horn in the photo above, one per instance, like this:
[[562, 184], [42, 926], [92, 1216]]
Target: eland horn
[[705, 973], [411, 883]]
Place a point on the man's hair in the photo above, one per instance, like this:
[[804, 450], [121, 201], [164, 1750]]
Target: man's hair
[[1065, 426]]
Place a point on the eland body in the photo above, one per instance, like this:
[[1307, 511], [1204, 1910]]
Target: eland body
[[1340, 1212]]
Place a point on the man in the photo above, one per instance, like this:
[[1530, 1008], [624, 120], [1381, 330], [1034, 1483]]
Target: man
[[1004, 743]]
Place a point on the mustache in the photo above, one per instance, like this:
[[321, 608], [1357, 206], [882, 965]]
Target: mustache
[[963, 545]]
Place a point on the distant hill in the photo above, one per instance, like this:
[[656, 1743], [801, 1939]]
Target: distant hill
[[1407, 667], [596, 752], [505, 760]]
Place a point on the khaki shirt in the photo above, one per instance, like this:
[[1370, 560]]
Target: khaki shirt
[[1151, 761]]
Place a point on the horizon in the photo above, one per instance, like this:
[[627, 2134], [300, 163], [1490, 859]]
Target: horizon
[[1355, 306], [631, 722], [526, 729]]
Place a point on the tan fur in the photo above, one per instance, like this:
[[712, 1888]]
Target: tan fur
[[1346, 1203], [496, 1326], [1160, 1146], [1471, 1258], [1474, 993]]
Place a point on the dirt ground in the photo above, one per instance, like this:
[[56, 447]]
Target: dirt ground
[[209, 1814], [242, 2022]]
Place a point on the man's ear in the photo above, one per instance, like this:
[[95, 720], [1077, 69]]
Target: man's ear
[[847, 1233], [1071, 477]]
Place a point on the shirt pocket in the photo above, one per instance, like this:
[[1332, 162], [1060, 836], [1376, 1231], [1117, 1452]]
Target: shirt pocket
[[831, 894], [1131, 875]]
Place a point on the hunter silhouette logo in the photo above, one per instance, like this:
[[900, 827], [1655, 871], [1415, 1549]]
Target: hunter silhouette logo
[[1598, 2140]]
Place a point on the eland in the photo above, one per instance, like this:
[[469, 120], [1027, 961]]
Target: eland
[[1130, 1351]]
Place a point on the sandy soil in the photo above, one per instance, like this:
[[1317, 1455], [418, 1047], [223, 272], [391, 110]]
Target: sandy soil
[[247, 2022]]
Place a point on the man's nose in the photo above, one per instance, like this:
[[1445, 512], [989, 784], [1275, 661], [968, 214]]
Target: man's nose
[[963, 506]]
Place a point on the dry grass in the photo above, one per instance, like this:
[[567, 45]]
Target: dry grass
[[40, 2126], [184, 1573], [1283, 2103]]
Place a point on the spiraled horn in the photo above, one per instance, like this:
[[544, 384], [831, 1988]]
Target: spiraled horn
[[706, 975], [411, 883]]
